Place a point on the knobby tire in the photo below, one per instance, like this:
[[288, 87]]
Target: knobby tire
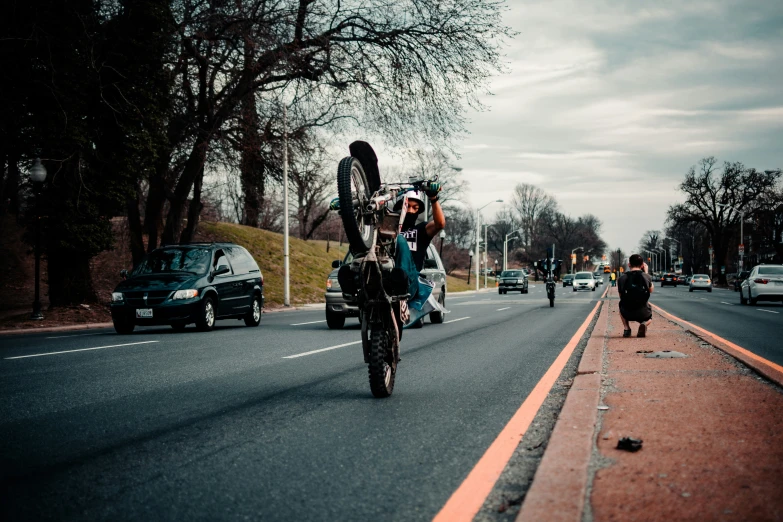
[[356, 230], [381, 359]]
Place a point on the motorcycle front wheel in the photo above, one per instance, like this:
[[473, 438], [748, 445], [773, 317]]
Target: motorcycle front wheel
[[354, 193], [382, 366]]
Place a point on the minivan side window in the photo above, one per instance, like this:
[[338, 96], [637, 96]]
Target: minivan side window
[[240, 259], [250, 263]]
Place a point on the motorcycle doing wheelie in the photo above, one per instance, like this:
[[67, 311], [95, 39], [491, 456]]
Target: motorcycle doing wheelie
[[382, 289], [550, 268]]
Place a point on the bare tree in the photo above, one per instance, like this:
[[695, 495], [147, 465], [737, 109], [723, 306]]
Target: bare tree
[[707, 187], [650, 240], [531, 204]]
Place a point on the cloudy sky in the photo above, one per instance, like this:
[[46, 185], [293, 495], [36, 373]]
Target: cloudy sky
[[608, 103]]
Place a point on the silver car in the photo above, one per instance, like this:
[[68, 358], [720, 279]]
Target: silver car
[[584, 281], [340, 305], [764, 283], [700, 282]]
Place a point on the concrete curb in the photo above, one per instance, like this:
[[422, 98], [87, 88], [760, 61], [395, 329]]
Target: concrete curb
[[559, 489], [47, 329]]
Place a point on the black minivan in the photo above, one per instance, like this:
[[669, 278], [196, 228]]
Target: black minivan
[[193, 283]]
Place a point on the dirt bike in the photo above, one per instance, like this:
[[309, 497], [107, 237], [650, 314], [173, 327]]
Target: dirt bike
[[371, 226]]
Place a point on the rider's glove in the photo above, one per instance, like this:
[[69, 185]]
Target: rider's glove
[[334, 204], [432, 189]]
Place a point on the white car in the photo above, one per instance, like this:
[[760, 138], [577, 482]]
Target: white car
[[700, 282], [584, 281], [764, 283]]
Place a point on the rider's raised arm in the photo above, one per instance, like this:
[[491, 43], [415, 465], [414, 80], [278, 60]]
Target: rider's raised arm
[[438, 222]]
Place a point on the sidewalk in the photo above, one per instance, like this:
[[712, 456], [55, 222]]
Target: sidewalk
[[712, 432]]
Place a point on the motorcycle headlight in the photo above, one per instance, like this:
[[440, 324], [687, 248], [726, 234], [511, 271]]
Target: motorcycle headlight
[[185, 294], [117, 297]]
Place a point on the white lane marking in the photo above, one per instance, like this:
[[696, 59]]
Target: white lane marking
[[703, 298], [501, 309], [770, 311], [76, 335], [724, 302], [79, 350], [310, 322], [321, 350], [455, 320]]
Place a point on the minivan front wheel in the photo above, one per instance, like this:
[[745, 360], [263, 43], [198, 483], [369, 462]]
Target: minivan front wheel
[[206, 318], [253, 317]]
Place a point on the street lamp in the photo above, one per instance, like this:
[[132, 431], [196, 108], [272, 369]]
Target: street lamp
[[37, 175], [442, 236], [742, 223], [573, 261], [478, 237], [471, 264], [505, 248]]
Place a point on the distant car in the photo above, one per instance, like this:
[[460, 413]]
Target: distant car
[[739, 279], [669, 279], [584, 281], [568, 280], [196, 283], [764, 283], [340, 305], [700, 282], [512, 280], [599, 277], [682, 279]]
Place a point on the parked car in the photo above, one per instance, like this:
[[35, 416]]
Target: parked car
[[184, 284], [584, 281], [568, 280], [512, 280], [340, 305], [669, 279], [741, 276], [764, 283], [700, 282]]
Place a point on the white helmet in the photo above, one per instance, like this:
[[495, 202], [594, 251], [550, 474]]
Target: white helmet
[[412, 194]]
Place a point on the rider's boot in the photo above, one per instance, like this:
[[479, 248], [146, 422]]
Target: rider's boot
[[347, 279]]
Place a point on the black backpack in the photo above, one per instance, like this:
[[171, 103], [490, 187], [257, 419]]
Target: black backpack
[[636, 291]]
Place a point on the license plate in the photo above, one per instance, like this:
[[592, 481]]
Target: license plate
[[143, 312]]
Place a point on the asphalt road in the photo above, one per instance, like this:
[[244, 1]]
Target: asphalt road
[[246, 423], [758, 328]]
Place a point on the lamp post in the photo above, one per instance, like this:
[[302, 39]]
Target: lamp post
[[286, 270], [742, 223], [505, 248], [679, 249], [478, 238], [471, 265], [37, 175], [660, 253], [573, 261]]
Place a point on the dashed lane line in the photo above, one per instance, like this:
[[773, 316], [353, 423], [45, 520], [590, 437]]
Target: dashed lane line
[[768, 311], [309, 322], [724, 302], [321, 350], [455, 320], [501, 309], [79, 350]]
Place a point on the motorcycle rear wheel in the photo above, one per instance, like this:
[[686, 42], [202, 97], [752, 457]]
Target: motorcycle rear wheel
[[382, 367], [352, 186], [551, 302]]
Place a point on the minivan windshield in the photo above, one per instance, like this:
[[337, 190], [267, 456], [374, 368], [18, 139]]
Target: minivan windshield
[[511, 273], [166, 260], [584, 275]]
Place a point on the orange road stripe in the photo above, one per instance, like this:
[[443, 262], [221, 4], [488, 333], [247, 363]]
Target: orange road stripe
[[466, 501], [740, 349]]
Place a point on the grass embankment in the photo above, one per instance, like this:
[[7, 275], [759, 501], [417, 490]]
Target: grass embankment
[[309, 261]]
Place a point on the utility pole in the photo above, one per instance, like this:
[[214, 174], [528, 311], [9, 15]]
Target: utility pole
[[286, 273]]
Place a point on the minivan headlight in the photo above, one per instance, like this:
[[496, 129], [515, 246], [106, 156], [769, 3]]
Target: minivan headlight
[[185, 294], [117, 297]]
